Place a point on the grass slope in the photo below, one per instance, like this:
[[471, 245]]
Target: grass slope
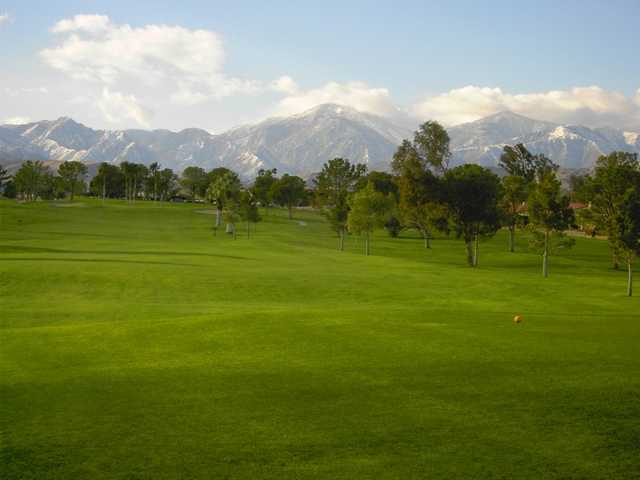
[[135, 344]]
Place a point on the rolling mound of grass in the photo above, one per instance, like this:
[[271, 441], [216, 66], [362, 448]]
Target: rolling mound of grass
[[136, 344]]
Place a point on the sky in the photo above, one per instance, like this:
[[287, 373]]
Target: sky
[[215, 65]]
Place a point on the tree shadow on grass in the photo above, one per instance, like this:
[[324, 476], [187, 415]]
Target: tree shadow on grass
[[24, 249], [98, 260]]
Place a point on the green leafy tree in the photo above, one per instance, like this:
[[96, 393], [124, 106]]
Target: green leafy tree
[[223, 189], [10, 190], [369, 209], [626, 232], [4, 177], [167, 184], [215, 173], [195, 181], [385, 182], [72, 175], [549, 216], [472, 194], [288, 192], [335, 182], [262, 187], [109, 182], [431, 141], [51, 186], [613, 176], [231, 215], [140, 174], [514, 195], [419, 191], [579, 187], [30, 179], [153, 180], [248, 209], [520, 162], [128, 170]]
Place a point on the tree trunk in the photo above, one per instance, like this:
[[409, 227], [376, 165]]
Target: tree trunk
[[629, 278], [104, 189], [231, 228], [428, 239], [512, 235], [545, 256], [469, 245], [424, 238], [366, 245], [248, 229], [218, 215], [476, 247], [290, 212], [341, 240], [616, 261]]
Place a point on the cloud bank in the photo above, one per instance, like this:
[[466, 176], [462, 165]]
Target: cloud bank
[[162, 61], [118, 107], [592, 105], [358, 95], [128, 73]]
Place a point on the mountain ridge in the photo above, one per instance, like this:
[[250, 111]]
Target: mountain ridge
[[301, 143]]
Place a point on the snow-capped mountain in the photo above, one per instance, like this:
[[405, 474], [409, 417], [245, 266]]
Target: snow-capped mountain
[[299, 144], [570, 146], [302, 143]]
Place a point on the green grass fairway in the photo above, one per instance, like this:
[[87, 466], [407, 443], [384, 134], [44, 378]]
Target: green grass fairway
[[136, 345]]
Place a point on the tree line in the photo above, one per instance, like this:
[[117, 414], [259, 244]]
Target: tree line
[[473, 203], [421, 192]]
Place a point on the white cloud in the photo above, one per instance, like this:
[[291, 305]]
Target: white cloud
[[285, 84], [187, 63], [15, 92], [4, 18], [587, 105], [119, 108], [82, 23], [16, 120], [354, 94]]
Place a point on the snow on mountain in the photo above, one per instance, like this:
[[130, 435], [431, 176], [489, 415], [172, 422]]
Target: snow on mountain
[[570, 146], [301, 144], [632, 138]]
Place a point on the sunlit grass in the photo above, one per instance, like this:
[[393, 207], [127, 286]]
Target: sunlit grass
[[136, 344]]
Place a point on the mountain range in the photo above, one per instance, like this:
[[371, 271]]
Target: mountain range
[[300, 144]]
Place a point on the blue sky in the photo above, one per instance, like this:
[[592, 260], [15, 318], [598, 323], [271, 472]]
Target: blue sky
[[453, 62]]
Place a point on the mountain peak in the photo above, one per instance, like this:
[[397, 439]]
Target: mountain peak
[[301, 144], [507, 116], [329, 109]]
